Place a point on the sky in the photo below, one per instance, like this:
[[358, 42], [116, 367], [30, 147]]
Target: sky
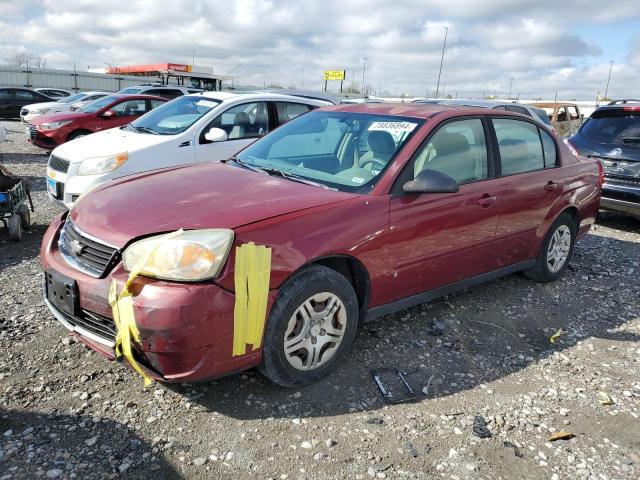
[[534, 47]]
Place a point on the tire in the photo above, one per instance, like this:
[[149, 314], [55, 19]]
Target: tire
[[77, 134], [14, 223], [561, 232], [25, 216], [320, 289]]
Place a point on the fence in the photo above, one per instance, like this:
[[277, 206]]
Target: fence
[[68, 79]]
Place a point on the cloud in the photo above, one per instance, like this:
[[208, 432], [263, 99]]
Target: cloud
[[532, 42]]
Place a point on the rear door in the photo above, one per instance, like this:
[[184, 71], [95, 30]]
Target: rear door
[[439, 239], [243, 123], [528, 186], [6, 102]]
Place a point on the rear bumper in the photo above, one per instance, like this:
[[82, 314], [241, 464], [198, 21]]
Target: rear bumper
[[623, 198]]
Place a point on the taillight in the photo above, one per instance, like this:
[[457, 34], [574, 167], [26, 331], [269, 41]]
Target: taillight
[[600, 174], [570, 146], [631, 109]]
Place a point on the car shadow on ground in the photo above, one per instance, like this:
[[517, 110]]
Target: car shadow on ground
[[13, 253], [619, 222], [452, 344], [67, 442]]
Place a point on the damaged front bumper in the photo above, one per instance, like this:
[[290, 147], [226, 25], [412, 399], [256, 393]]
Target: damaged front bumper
[[186, 330]]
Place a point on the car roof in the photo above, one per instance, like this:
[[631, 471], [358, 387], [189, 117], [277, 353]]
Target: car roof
[[135, 96], [482, 103], [416, 110], [553, 104], [222, 96]]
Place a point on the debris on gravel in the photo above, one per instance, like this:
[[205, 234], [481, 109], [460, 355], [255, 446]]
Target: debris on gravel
[[498, 399]]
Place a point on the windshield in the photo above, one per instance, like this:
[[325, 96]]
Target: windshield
[[612, 127], [93, 107], [176, 116], [342, 150], [72, 98], [130, 90]]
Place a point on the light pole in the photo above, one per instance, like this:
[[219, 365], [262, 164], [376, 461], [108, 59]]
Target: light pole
[[606, 90], [444, 44], [510, 87], [193, 58], [364, 68]]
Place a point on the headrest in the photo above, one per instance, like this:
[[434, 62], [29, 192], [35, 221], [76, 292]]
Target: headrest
[[242, 118], [380, 141], [514, 148], [447, 143]]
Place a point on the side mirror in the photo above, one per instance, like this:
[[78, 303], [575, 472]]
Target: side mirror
[[431, 181], [109, 113], [216, 135]]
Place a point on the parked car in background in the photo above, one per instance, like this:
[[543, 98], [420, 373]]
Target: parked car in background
[[49, 131], [623, 101], [612, 135], [54, 93], [210, 126], [166, 91], [71, 103], [565, 117], [532, 112], [435, 199], [12, 99]]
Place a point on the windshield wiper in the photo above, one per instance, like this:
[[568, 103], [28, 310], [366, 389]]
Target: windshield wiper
[[293, 177], [244, 164], [630, 139], [144, 129]]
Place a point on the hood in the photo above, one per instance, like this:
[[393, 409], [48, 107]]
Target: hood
[[108, 142], [57, 117], [36, 106], [209, 195]]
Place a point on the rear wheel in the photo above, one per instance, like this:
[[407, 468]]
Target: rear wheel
[[25, 216], [311, 327], [556, 250], [14, 224]]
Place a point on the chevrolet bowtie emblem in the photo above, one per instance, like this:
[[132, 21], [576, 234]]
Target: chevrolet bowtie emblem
[[76, 247]]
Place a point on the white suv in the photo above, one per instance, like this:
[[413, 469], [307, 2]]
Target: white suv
[[210, 126], [68, 104]]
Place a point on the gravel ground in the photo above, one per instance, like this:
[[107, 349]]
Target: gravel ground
[[65, 412]]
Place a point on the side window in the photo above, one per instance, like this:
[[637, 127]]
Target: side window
[[457, 149], [129, 108], [164, 92], [249, 120], [573, 113], [288, 111], [5, 94], [155, 104], [562, 114], [499, 108], [549, 147], [25, 95], [519, 145], [516, 109]]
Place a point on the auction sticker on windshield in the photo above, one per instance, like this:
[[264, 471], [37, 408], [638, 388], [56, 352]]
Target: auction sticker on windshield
[[393, 126]]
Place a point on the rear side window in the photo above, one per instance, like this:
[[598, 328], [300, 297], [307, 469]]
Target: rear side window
[[288, 111], [164, 92], [615, 127], [519, 145], [542, 116], [5, 94], [516, 109], [549, 148]]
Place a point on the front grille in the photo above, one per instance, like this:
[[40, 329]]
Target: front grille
[[33, 132], [58, 164], [85, 253], [98, 325]]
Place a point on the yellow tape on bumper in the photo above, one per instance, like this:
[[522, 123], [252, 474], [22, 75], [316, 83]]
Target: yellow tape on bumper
[[123, 316], [252, 272]]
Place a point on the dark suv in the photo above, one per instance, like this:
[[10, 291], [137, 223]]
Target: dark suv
[[612, 135]]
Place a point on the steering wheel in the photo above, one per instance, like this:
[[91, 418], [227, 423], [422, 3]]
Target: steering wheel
[[374, 161]]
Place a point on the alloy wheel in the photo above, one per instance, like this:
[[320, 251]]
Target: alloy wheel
[[559, 248]]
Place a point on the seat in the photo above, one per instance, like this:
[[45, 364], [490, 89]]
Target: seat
[[381, 146], [241, 125], [261, 125]]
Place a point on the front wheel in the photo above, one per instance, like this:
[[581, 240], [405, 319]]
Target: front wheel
[[556, 250], [14, 223], [311, 327]]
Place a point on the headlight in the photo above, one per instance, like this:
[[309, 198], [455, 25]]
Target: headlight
[[189, 256], [96, 165], [54, 125]]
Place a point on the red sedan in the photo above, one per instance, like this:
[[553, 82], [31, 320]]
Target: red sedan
[[276, 256], [49, 131]]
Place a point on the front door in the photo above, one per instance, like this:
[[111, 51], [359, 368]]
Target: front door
[[441, 238], [243, 123]]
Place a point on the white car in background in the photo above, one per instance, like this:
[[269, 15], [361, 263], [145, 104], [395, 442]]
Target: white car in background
[[209, 126], [68, 104]]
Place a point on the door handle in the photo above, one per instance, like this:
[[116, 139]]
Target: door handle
[[551, 186], [487, 200]]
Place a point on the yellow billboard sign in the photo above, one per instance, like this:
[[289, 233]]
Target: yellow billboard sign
[[334, 74]]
